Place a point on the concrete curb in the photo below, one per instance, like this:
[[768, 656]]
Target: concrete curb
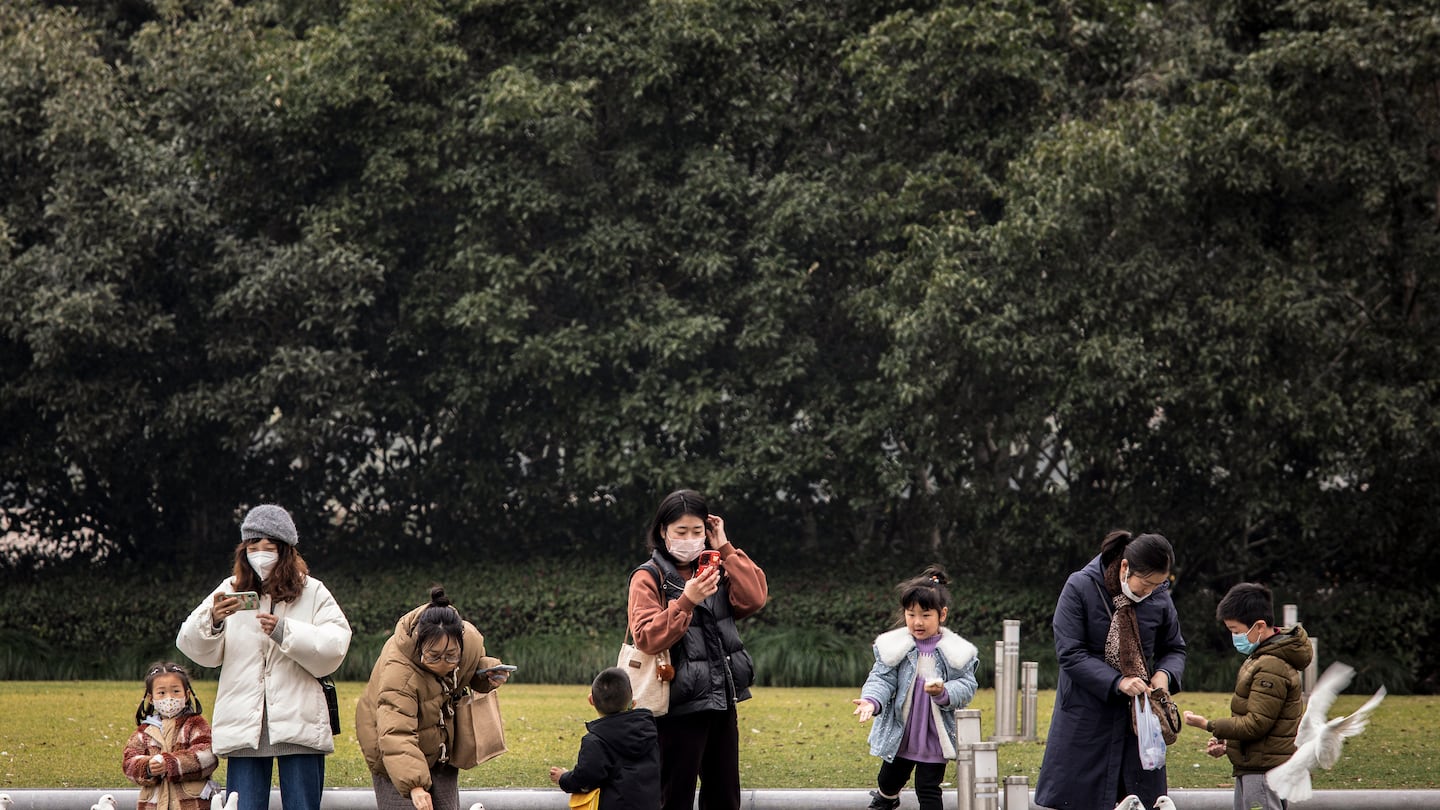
[[553, 799]]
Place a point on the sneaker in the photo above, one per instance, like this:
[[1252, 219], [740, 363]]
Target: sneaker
[[878, 802]]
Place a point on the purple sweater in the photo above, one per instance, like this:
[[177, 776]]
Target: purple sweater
[[921, 742]]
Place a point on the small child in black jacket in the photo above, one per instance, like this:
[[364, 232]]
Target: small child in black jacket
[[621, 753]]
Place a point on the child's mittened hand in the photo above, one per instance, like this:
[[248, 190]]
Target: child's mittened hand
[[864, 709], [556, 773]]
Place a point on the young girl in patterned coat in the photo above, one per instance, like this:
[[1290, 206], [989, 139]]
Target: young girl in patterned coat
[[922, 674], [169, 755]]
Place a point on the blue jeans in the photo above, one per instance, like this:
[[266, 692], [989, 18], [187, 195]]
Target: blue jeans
[[302, 781]]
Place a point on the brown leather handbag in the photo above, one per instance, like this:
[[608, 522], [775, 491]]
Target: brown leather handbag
[[1168, 713]]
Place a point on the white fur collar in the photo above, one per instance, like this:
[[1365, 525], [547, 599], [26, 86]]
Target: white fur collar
[[894, 645]]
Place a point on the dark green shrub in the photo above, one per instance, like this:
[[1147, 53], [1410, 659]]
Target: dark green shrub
[[563, 619], [808, 656]]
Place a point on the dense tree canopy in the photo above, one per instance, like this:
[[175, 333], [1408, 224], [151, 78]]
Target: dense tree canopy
[[968, 280]]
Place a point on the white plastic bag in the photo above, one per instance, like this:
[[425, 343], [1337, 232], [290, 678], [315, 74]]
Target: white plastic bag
[[1152, 741]]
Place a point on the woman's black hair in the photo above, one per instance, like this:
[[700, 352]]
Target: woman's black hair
[[674, 506], [155, 670], [438, 620], [1146, 554], [928, 591]]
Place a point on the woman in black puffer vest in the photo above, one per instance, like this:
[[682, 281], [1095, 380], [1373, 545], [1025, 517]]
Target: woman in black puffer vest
[[693, 615]]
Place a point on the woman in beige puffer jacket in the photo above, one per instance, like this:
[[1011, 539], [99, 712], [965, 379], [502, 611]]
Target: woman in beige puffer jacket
[[405, 718]]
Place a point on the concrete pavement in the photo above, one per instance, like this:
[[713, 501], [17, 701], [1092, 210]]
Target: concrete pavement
[[539, 799]]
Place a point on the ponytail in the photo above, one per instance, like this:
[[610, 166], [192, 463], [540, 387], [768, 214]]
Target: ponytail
[[1113, 546]]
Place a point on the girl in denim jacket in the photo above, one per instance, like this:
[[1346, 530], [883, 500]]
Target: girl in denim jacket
[[922, 674]]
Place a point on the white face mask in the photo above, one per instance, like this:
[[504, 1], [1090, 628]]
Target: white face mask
[[263, 561], [1125, 586], [686, 550], [169, 707]]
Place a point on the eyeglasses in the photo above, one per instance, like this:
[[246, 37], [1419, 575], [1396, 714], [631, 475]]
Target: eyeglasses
[[435, 658]]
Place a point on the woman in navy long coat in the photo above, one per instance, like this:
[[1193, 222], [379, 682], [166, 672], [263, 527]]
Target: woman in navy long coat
[[1092, 757]]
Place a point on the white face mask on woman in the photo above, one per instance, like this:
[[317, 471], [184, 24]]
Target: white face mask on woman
[[1125, 586], [1126, 573], [263, 561]]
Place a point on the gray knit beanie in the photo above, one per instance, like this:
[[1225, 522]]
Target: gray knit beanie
[[270, 522]]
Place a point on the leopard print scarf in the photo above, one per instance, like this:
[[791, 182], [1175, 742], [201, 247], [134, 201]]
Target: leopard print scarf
[[1122, 643]]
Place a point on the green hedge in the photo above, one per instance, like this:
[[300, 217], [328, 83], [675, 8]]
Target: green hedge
[[562, 620]]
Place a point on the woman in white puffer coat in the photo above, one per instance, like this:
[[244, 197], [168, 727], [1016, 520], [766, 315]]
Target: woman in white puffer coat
[[270, 707]]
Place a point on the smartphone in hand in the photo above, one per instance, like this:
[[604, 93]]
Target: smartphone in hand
[[249, 600], [707, 559]]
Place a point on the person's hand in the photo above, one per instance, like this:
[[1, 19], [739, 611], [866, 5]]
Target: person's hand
[[715, 531], [223, 608], [1160, 680], [267, 622], [157, 765], [703, 585], [420, 797], [1133, 685], [864, 709], [556, 773], [499, 677], [1196, 720], [1215, 747]]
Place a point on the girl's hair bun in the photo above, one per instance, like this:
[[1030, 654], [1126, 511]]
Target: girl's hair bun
[[438, 597], [937, 575]]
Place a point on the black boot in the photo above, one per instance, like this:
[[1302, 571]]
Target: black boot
[[878, 802]]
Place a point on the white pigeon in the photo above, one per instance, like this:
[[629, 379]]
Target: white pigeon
[[6, 802], [1318, 742], [1164, 803], [221, 802], [107, 802], [1131, 802], [477, 806]]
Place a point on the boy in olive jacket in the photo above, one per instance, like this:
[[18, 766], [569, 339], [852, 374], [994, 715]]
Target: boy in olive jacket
[[1268, 701]]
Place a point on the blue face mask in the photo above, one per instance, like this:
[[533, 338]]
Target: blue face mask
[[1242, 642]]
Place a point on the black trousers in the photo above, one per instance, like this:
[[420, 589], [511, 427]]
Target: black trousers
[[705, 746], [928, 776]]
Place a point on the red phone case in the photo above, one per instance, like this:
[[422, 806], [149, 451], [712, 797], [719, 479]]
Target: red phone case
[[707, 559]]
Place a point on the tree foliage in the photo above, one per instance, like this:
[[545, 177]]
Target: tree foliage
[[974, 281]]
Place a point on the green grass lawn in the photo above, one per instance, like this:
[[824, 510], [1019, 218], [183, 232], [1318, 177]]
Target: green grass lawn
[[70, 735]]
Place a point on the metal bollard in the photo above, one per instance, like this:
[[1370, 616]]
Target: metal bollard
[[1030, 692], [999, 688], [1291, 614], [1307, 680], [964, 777], [1017, 793], [967, 726], [987, 774], [987, 794], [1011, 681]]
